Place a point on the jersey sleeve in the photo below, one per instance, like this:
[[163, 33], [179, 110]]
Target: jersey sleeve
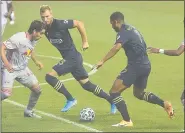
[[66, 24], [120, 38], [11, 43]]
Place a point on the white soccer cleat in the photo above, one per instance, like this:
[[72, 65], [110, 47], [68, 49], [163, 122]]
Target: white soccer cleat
[[30, 113], [12, 22], [124, 124]]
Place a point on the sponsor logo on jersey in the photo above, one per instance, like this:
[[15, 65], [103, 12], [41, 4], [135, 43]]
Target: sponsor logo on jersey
[[56, 41]]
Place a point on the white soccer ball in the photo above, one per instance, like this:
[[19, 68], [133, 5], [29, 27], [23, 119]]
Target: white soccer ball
[[87, 114]]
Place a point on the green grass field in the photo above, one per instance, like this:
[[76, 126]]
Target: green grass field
[[161, 24]]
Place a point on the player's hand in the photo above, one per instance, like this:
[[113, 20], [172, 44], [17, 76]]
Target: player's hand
[[152, 50], [85, 46], [98, 65], [39, 64], [9, 68]]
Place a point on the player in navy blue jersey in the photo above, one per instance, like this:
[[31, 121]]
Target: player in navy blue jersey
[[136, 72], [175, 52], [58, 34]]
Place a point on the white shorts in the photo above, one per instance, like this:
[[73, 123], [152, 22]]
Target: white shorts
[[25, 77]]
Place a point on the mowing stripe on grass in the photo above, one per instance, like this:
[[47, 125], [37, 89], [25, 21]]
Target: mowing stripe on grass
[[54, 117]]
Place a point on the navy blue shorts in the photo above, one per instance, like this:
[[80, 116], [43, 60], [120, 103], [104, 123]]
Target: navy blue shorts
[[136, 75], [73, 66]]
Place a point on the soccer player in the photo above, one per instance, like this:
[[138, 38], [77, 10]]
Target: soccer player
[[15, 53], [136, 72], [176, 52], [11, 17], [6, 12], [58, 34]]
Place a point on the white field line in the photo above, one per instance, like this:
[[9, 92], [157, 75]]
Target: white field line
[[52, 115], [59, 58], [55, 117]]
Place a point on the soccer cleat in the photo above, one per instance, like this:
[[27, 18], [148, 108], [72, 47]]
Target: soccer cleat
[[30, 113], [113, 108], [168, 108], [12, 22], [69, 105], [124, 124]]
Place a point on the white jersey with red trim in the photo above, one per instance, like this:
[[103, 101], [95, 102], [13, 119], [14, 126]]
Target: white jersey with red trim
[[19, 49]]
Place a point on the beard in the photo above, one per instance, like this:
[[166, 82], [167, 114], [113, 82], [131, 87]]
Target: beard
[[116, 29]]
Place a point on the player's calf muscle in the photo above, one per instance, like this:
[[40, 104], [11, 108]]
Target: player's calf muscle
[[7, 91]]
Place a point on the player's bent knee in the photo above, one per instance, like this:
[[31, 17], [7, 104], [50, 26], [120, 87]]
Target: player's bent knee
[[7, 92], [83, 81], [138, 95], [52, 73], [36, 89]]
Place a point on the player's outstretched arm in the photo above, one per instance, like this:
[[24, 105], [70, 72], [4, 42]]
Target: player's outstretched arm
[[37, 63], [109, 55], [176, 52], [4, 59], [81, 28]]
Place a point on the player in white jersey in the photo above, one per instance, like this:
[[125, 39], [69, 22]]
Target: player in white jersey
[[7, 11], [15, 53]]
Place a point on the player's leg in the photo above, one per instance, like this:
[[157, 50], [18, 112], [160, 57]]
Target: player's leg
[[63, 67], [12, 18], [7, 83], [28, 79], [81, 75], [138, 91], [3, 25], [124, 80]]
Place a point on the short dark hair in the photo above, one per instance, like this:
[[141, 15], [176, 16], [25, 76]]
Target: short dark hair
[[36, 25], [117, 16]]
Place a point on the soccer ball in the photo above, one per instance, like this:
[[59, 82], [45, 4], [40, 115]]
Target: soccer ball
[[87, 114]]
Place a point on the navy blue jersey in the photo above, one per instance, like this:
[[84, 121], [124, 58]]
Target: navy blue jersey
[[133, 44], [59, 36]]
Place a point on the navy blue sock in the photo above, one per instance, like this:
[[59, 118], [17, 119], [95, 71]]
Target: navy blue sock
[[96, 90], [151, 98], [121, 106], [56, 84]]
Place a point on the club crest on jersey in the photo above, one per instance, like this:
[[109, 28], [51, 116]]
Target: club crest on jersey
[[28, 52]]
